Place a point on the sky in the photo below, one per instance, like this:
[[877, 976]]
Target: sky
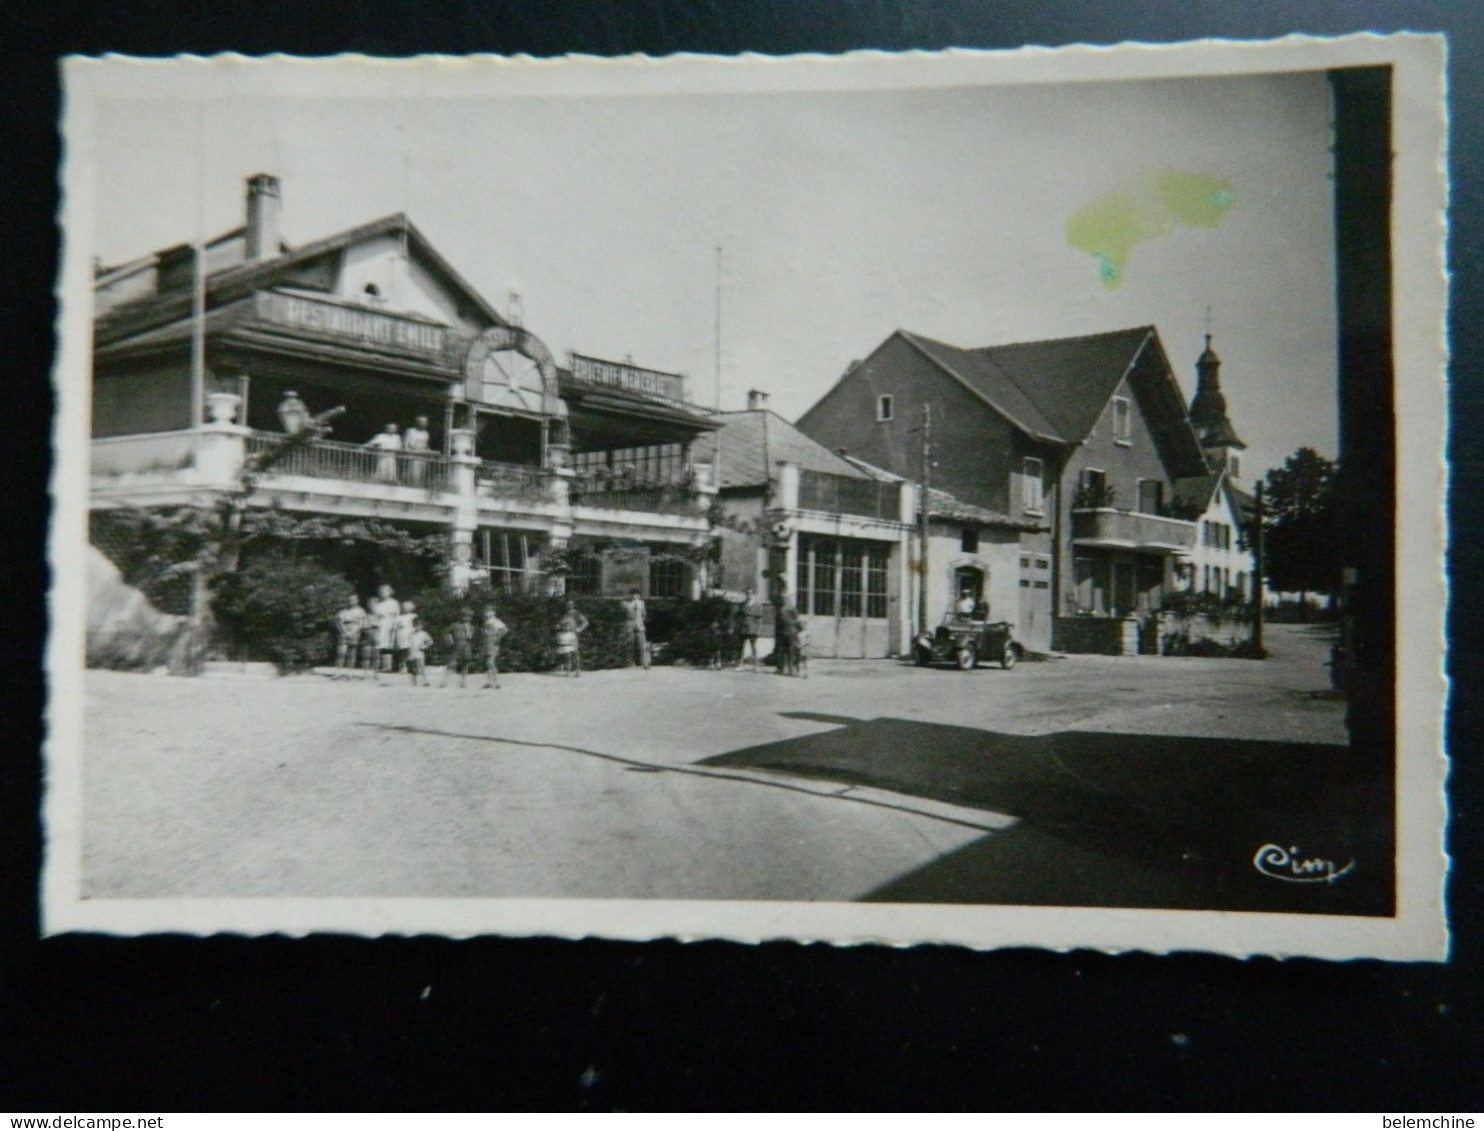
[[841, 215]]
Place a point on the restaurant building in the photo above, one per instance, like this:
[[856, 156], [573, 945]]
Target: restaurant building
[[447, 418]]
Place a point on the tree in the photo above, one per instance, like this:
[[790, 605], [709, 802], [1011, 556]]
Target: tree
[[1301, 535]]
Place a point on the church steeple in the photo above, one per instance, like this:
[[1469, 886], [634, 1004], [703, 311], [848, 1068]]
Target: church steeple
[[1218, 438]]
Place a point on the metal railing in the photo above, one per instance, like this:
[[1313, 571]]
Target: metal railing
[[841, 494], [330, 459], [675, 499], [512, 481]]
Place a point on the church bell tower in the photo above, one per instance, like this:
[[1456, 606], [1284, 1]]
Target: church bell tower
[[1219, 440]]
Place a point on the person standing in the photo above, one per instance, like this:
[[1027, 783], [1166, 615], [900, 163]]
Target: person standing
[[404, 625], [387, 442], [418, 643], [460, 644], [634, 617], [293, 413], [493, 630], [787, 635], [569, 648], [749, 627], [416, 439], [385, 609], [349, 622]]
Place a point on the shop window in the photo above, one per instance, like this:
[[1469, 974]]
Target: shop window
[[852, 580], [876, 559], [824, 579]]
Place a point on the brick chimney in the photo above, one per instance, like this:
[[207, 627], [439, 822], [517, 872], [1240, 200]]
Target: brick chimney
[[264, 210], [757, 400]]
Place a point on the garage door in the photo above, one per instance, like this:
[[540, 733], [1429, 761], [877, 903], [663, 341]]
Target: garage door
[[840, 587]]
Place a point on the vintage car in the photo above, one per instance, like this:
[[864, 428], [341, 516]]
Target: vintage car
[[964, 641]]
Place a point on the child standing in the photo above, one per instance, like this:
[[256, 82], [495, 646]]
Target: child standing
[[418, 643], [402, 628], [459, 640]]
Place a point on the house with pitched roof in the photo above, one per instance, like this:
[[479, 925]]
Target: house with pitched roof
[[449, 420], [1221, 561], [804, 525], [1081, 438], [839, 538]]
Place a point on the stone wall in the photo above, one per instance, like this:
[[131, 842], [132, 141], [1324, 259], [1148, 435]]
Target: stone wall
[[1104, 636]]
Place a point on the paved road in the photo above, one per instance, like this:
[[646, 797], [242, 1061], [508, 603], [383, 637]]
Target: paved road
[[1135, 782]]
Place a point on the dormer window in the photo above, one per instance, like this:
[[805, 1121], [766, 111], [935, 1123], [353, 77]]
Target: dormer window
[[884, 410], [1123, 421]]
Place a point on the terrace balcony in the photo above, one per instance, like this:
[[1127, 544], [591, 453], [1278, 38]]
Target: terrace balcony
[[185, 466], [1109, 528]]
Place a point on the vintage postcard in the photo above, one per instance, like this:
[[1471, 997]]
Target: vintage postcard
[[978, 498]]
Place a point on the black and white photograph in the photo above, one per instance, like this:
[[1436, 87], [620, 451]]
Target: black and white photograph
[[988, 498]]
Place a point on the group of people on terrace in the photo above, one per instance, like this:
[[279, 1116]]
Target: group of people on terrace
[[399, 451]]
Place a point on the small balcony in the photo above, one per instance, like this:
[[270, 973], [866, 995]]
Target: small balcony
[[1112, 529]]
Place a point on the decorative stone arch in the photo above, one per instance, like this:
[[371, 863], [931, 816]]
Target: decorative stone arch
[[521, 394], [512, 340]]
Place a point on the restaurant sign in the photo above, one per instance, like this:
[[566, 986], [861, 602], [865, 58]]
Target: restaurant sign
[[357, 326], [631, 378]]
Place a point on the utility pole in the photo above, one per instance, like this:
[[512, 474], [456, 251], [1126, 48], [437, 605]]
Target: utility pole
[[1257, 567], [922, 518]]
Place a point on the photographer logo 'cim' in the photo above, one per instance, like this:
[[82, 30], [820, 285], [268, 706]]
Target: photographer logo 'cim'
[[1292, 866]]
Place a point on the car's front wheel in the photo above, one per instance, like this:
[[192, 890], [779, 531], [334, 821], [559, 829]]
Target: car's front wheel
[[968, 658]]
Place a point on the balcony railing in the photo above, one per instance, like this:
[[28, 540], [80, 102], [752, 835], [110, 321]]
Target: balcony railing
[[1117, 529], [673, 499], [512, 481], [272, 455], [841, 494]]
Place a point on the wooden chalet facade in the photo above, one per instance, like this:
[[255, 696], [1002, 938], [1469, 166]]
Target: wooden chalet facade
[[511, 454], [1081, 440]]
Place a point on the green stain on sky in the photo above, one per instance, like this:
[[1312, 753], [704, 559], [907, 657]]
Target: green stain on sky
[[1145, 208]]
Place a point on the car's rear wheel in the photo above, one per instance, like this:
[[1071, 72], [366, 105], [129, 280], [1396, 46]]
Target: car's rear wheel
[[968, 658], [922, 657], [1009, 656]]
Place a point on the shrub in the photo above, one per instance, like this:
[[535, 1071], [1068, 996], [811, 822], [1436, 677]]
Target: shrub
[[684, 628], [281, 608], [530, 645]]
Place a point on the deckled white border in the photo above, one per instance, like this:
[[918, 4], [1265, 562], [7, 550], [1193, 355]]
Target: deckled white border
[[1417, 932]]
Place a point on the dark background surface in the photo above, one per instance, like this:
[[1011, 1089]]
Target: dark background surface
[[91, 1023]]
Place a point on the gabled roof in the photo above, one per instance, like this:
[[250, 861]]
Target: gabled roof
[[754, 442], [979, 371], [395, 224], [1056, 390], [238, 278], [1071, 379]]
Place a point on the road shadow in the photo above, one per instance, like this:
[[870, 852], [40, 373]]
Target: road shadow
[[1118, 820]]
